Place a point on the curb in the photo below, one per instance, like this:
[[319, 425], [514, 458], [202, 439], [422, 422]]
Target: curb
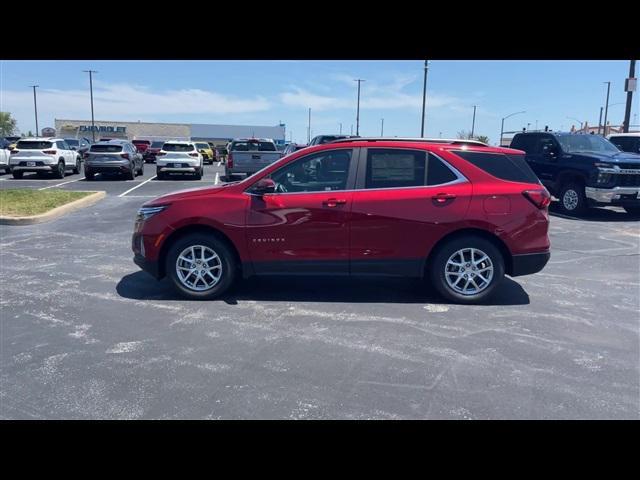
[[56, 212]]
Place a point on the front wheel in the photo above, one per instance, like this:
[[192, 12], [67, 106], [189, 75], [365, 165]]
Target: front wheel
[[142, 168], [201, 267], [467, 269], [573, 200], [76, 169], [633, 210]]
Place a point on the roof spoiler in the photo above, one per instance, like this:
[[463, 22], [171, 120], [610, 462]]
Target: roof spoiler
[[447, 141]]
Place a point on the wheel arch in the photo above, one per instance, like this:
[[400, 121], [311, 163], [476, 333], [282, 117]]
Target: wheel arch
[[477, 232], [188, 230]]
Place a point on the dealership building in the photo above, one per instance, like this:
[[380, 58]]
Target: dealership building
[[166, 131]]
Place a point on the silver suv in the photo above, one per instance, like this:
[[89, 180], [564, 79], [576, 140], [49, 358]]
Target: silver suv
[[113, 156]]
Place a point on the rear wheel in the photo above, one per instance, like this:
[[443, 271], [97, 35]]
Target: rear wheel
[[573, 200], [142, 168], [59, 171], [633, 210], [17, 174], [88, 174], [131, 174], [467, 269], [200, 266], [76, 169]]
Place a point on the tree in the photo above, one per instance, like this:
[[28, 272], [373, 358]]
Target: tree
[[466, 135], [7, 124]]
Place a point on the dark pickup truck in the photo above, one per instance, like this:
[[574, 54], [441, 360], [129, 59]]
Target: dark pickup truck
[[582, 170]]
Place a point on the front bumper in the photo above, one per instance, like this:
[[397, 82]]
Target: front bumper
[[528, 263], [149, 266], [614, 196]]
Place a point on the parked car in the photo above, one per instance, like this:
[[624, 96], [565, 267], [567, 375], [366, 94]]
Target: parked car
[[458, 212], [627, 142], [293, 147], [248, 155], [150, 153], [141, 145], [320, 139], [179, 157], [113, 157], [44, 155], [4, 155], [221, 154], [12, 141], [582, 170], [208, 154]]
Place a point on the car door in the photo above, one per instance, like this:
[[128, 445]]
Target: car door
[[544, 157], [405, 200], [304, 226]]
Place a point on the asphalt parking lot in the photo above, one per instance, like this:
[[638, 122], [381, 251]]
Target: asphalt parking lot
[[86, 334]]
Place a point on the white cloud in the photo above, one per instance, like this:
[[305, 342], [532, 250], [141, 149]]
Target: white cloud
[[123, 101]]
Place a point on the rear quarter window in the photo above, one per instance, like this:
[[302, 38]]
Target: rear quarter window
[[513, 168], [33, 145]]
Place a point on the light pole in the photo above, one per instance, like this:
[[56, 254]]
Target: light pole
[[606, 108], [600, 121], [93, 127], [309, 128], [473, 124], [382, 128], [340, 128], [359, 80], [35, 107], [351, 129], [502, 127], [424, 96], [579, 121]]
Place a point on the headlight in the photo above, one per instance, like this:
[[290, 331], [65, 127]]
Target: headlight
[[604, 177], [144, 213]]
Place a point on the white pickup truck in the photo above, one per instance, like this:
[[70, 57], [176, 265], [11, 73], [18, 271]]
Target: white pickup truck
[[248, 155]]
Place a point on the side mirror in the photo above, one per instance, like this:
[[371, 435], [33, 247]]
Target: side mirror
[[264, 186]]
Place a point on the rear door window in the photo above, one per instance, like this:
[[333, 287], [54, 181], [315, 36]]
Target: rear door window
[[393, 168], [33, 145], [513, 168]]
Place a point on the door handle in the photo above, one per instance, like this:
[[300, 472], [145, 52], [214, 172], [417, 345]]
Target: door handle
[[333, 202], [441, 198]]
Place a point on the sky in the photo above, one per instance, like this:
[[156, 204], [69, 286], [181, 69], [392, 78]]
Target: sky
[[270, 92]]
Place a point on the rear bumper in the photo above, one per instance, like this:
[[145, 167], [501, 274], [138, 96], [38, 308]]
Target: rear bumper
[[107, 168], [528, 263], [149, 266], [180, 169], [614, 196]]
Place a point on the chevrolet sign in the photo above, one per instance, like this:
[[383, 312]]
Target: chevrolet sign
[[103, 129]]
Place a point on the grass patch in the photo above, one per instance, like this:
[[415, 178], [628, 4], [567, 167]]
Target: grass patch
[[22, 203]]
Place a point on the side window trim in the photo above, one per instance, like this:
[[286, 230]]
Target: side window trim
[[362, 171]]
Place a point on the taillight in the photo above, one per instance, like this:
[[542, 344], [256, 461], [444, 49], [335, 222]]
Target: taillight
[[193, 154], [230, 161], [125, 155], [540, 198], [49, 152]]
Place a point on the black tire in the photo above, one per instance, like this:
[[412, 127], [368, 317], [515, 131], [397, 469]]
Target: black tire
[[159, 175], [88, 175], [438, 263], [78, 167], [227, 261], [199, 173], [633, 210], [141, 168], [131, 174], [17, 175], [573, 200], [60, 171]]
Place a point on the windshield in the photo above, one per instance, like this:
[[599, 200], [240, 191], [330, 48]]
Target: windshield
[[177, 147], [72, 142], [253, 146], [586, 143]]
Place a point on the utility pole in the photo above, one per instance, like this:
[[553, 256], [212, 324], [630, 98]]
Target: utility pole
[[35, 107], [600, 121], [340, 128], [629, 88], [606, 108], [93, 126], [359, 80], [351, 129], [502, 126], [309, 128], [473, 124], [382, 128], [424, 96]]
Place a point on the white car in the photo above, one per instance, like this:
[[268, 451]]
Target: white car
[[4, 156], [627, 142], [44, 155], [179, 157]]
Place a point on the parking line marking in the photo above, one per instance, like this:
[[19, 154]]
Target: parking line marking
[[137, 186], [219, 163], [215, 182], [60, 184]]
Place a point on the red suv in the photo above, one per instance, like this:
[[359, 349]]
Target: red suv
[[459, 212]]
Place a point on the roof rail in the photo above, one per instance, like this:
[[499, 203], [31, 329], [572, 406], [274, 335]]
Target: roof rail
[[449, 141]]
